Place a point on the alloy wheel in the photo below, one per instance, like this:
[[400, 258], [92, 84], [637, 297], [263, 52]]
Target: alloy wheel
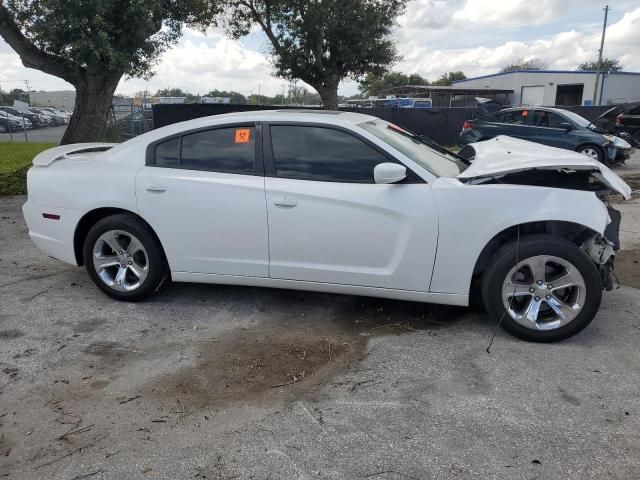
[[544, 292], [120, 260]]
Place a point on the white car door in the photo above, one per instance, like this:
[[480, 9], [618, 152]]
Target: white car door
[[203, 194], [330, 223]]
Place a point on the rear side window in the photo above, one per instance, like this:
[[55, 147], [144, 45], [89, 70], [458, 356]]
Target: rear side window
[[517, 117], [227, 150], [167, 153], [323, 154]]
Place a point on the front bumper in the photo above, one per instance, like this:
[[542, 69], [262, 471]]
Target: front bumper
[[54, 237]]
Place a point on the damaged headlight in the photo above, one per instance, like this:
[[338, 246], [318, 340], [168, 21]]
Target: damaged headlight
[[617, 142]]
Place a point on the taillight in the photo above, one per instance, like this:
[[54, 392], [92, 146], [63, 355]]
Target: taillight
[[619, 120], [468, 125]]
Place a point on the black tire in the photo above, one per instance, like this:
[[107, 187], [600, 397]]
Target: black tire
[[503, 262], [596, 148], [158, 270]]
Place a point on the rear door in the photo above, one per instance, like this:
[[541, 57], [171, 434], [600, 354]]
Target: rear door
[[513, 123], [547, 129], [329, 222], [203, 193]]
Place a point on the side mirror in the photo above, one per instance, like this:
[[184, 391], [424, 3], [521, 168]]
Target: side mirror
[[389, 173], [567, 126]]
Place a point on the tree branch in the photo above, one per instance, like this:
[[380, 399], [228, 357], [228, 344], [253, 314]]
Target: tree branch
[[33, 57]]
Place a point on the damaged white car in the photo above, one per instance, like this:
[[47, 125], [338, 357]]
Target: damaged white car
[[335, 202]]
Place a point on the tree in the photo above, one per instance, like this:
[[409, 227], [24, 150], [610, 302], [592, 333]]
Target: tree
[[448, 78], [608, 65], [234, 96], [324, 41], [92, 44], [375, 84], [522, 64]]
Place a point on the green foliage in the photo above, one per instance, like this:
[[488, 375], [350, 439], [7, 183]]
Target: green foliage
[[448, 78], [608, 65], [7, 98], [106, 35], [324, 41], [15, 160], [375, 84], [532, 64], [235, 96]]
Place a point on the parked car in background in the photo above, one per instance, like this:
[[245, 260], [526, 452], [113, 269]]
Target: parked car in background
[[554, 127], [335, 202], [622, 120], [37, 120], [56, 119], [11, 123]]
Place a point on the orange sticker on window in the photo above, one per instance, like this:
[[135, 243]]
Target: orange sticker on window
[[243, 135], [525, 113]]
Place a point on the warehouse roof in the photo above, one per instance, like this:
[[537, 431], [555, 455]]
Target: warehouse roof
[[579, 72]]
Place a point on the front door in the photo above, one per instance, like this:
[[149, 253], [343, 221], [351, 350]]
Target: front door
[[330, 223], [203, 194]]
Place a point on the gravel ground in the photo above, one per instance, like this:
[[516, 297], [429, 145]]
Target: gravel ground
[[224, 382]]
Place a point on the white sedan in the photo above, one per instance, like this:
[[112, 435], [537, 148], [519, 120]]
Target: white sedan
[[335, 202]]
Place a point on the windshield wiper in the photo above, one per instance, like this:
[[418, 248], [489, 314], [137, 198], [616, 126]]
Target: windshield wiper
[[436, 146]]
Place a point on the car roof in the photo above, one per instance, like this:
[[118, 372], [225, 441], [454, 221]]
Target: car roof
[[344, 119]]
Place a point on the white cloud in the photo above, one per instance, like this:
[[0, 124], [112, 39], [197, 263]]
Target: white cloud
[[512, 13], [434, 36], [564, 50]]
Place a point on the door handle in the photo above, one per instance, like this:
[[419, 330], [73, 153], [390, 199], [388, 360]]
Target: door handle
[[285, 202], [157, 188]]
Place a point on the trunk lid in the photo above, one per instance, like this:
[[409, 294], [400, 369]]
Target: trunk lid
[[76, 151], [505, 155]]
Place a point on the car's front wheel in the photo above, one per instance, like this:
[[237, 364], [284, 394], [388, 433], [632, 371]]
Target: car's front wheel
[[592, 151], [124, 258], [545, 289]]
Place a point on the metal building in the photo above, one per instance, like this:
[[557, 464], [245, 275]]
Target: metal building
[[64, 99], [560, 87]]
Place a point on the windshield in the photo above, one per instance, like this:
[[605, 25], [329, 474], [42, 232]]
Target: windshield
[[436, 161], [577, 119]]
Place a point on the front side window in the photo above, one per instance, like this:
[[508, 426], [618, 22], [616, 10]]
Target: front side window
[[323, 154]]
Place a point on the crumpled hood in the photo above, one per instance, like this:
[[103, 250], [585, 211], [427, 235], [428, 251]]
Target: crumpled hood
[[504, 155]]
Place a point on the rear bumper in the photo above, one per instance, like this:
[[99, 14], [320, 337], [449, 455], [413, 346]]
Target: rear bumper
[[53, 237]]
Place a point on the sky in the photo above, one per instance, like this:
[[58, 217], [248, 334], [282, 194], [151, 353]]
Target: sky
[[478, 37]]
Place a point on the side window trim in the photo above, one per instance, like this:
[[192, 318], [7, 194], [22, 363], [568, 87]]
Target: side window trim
[[258, 155], [269, 162]]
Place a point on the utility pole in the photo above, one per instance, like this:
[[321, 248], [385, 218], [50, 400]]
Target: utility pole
[[604, 30]]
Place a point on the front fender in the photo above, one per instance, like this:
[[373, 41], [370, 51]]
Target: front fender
[[469, 216]]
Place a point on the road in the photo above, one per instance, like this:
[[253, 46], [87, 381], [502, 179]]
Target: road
[[40, 135]]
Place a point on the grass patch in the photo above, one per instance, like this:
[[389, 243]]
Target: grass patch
[[15, 160]]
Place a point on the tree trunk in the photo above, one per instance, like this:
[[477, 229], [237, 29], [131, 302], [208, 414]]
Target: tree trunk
[[94, 97], [329, 94]]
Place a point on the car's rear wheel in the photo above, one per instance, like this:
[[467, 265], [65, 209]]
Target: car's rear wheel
[[592, 151], [553, 292], [124, 258]]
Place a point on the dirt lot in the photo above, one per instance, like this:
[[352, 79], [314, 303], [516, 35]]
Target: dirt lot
[[225, 382]]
